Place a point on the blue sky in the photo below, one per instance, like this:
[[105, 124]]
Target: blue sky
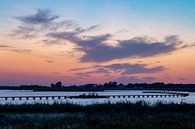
[[175, 14], [173, 10]]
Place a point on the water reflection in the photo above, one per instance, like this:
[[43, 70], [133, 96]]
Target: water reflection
[[188, 99]]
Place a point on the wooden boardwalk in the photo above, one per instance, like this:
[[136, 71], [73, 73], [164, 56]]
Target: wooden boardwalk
[[85, 97], [167, 92]]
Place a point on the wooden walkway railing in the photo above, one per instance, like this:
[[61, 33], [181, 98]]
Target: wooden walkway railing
[[88, 97]]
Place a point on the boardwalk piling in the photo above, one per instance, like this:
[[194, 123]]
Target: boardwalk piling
[[103, 96]]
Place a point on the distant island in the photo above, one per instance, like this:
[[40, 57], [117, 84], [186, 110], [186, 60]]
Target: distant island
[[58, 86]]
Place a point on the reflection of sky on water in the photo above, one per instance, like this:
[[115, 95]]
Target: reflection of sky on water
[[188, 99]]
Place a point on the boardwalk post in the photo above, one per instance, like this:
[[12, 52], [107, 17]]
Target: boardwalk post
[[174, 94]]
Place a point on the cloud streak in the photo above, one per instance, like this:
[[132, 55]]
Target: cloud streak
[[94, 48], [14, 49], [21, 50], [124, 69], [127, 69], [5, 46], [42, 16]]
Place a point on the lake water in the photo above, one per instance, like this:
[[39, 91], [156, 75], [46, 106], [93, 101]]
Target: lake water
[[188, 99]]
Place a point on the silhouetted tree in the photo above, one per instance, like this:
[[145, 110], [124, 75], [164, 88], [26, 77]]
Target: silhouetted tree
[[120, 85], [106, 84], [52, 85], [59, 84], [112, 84]]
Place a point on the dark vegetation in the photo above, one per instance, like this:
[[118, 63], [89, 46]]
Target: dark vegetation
[[101, 116], [106, 86]]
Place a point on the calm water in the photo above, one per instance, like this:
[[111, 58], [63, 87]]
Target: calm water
[[188, 99]]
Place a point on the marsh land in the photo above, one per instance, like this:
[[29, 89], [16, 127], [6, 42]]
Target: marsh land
[[127, 115]]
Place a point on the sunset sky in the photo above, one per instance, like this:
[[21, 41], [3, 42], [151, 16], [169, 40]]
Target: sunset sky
[[95, 41]]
